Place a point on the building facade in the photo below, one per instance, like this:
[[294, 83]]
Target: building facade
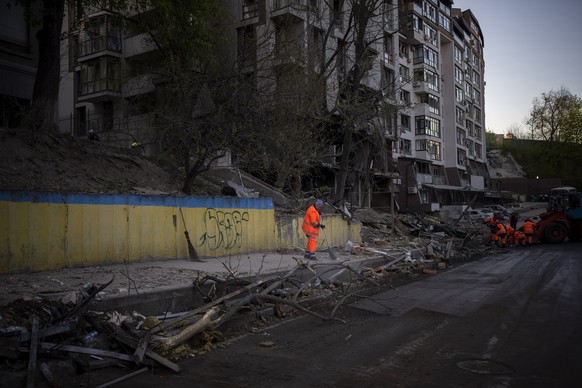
[[418, 68], [18, 62]]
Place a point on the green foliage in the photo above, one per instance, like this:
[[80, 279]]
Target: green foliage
[[548, 159]]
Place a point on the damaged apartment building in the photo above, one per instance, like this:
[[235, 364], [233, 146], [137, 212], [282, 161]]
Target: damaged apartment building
[[418, 69]]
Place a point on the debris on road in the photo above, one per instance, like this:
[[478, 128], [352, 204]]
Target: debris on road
[[67, 330]]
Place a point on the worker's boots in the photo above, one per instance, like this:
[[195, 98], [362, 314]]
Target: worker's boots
[[309, 256]]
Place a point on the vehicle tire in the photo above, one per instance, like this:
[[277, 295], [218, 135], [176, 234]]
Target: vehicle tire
[[555, 233]]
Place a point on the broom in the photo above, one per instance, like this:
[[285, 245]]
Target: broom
[[191, 251]]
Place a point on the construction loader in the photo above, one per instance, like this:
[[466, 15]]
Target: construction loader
[[563, 217]]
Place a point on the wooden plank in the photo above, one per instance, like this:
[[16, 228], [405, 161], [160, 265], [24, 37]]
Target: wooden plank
[[122, 378], [79, 349], [142, 347], [167, 324], [30, 376]]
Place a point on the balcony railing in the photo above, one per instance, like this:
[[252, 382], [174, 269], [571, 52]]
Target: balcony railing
[[100, 85], [100, 43]]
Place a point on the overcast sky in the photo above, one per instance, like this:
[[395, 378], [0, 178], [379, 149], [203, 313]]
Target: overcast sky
[[531, 47]]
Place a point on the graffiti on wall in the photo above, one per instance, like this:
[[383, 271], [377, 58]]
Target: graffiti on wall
[[223, 229]]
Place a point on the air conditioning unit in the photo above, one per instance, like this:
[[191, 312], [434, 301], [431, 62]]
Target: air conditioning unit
[[412, 190]]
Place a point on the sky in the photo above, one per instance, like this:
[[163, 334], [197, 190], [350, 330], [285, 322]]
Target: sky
[[531, 47]]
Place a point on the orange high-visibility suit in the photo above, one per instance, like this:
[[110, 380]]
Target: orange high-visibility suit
[[500, 233], [510, 234], [519, 238], [529, 228], [310, 227]]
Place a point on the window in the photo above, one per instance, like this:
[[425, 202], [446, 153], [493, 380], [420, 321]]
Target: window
[[388, 48], [432, 147], [478, 150], [476, 96], [469, 126], [461, 137], [476, 77], [446, 9], [388, 81], [426, 125], [404, 73], [468, 88], [424, 54], [461, 156], [100, 75], [405, 147], [477, 115], [459, 75], [430, 34], [444, 22], [432, 101], [429, 11], [477, 132], [405, 122], [459, 95], [405, 96], [250, 9], [431, 78], [458, 55], [459, 115], [471, 147]]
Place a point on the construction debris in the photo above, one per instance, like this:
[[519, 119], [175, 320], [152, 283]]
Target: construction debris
[[41, 331]]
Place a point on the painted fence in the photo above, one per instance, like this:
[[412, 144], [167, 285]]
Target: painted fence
[[40, 231]]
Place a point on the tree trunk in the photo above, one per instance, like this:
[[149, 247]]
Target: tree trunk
[[46, 85]]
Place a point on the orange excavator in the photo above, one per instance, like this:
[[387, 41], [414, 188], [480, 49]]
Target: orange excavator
[[563, 217]]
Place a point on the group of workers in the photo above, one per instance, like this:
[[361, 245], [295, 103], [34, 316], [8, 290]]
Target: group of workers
[[504, 235]]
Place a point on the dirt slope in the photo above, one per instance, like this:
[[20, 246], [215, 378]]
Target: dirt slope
[[78, 166]]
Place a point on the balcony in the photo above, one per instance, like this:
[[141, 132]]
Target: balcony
[[137, 45], [104, 44], [100, 79]]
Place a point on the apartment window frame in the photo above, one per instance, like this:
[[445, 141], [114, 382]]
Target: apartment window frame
[[427, 125], [432, 147]]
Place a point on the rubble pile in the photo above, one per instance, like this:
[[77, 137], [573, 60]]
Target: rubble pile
[[52, 340]]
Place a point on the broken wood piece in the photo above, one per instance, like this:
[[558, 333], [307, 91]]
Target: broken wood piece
[[84, 302], [47, 332], [188, 332], [172, 322], [48, 346], [142, 347], [30, 376], [122, 378]]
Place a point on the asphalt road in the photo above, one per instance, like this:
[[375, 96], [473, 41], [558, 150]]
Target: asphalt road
[[512, 320]]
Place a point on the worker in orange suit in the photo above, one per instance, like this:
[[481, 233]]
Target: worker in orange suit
[[492, 224], [501, 234], [311, 226], [529, 228], [510, 232], [519, 238]]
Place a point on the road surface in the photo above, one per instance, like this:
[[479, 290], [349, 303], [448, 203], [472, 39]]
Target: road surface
[[511, 320]]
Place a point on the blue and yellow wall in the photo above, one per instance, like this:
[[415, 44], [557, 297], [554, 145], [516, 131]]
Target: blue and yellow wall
[[41, 231]]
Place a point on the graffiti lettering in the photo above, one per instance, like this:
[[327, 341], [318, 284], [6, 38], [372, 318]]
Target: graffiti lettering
[[223, 229]]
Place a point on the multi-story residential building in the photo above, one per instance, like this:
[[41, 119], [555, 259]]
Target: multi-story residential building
[[18, 62], [420, 67], [442, 145]]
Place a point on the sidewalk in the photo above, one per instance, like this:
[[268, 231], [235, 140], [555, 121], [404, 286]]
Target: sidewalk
[[159, 286]]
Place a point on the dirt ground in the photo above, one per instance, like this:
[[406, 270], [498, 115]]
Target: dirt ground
[[79, 166]]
